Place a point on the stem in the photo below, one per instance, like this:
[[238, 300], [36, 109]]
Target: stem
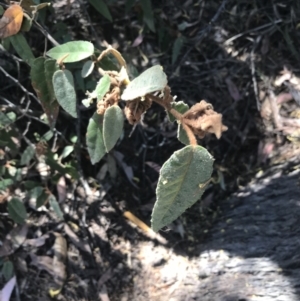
[[115, 53], [179, 118], [190, 134], [176, 114]]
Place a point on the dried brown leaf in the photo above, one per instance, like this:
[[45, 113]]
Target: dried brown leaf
[[59, 264], [232, 89], [79, 243], [103, 293], [202, 119], [154, 166], [44, 263], [61, 189], [105, 277], [135, 109], [11, 21], [14, 240], [37, 242], [138, 40]]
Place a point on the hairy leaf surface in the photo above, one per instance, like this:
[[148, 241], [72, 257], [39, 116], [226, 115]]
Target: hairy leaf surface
[[183, 179], [151, 80]]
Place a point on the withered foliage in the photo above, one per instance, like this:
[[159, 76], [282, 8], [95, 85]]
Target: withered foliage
[[199, 120], [11, 21], [202, 119], [110, 99], [136, 108]]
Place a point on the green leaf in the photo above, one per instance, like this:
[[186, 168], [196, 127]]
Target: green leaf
[[64, 90], [67, 151], [183, 179], [182, 135], [151, 80], [6, 44], [79, 81], [30, 184], [102, 8], [53, 163], [27, 23], [177, 46], [179, 106], [112, 126], [102, 87], [72, 170], [47, 136], [87, 68], [148, 14], [41, 79], [7, 270], [38, 195], [74, 51], [7, 141], [55, 206], [22, 48], [17, 210], [50, 67], [5, 183], [41, 200], [94, 138], [35, 192], [1, 10], [27, 155], [5, 119], [12, 116], [107, 64]]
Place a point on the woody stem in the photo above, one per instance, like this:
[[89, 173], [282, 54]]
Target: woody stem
[[179, 117], [190, 134]]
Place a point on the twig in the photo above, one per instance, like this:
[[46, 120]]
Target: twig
[[227, 42], [190, 134], [97, 39], [24, 113], [45, 33], [208, 28], [144, 227], [17, 291], [276, 117], [204, 32], [258, 105], [20, 85]]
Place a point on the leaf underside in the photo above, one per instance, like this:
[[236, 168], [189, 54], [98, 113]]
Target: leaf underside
[[72, 51], [112, 126], [151, 80], [94, 138], [64, 90]]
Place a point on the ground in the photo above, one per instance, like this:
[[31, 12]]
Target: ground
[[240, 242]]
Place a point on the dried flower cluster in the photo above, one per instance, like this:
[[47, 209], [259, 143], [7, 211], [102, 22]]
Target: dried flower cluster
[[202, 119], [111, 98], [136, 108]]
